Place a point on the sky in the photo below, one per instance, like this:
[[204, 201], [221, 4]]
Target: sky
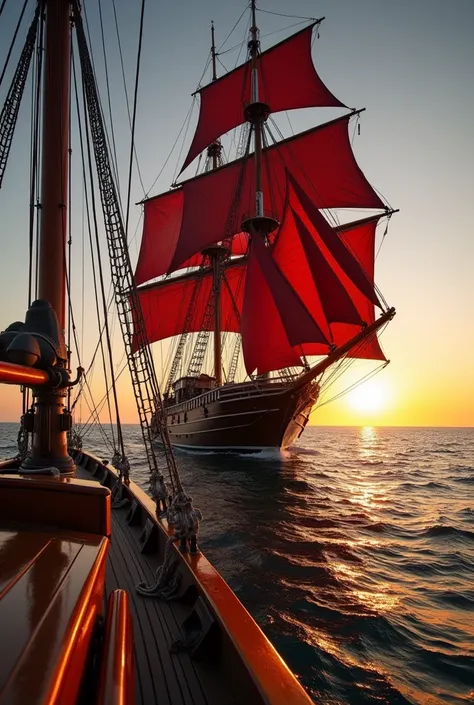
[[409, 63]]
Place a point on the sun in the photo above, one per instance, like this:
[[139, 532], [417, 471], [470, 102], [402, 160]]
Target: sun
[[369, 397]]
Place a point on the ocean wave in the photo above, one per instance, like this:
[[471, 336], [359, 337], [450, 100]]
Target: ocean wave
[[442, 530]]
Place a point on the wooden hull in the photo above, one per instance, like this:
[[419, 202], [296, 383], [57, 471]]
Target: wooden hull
[[243, 417]]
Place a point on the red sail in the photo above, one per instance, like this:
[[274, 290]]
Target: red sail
[[287, 80], [319, 268], [307, 291], [265, 342], [166, 304], [180, 223], [360, 239], [333, 244]]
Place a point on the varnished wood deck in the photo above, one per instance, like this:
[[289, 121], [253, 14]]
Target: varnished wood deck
[[162, 677]]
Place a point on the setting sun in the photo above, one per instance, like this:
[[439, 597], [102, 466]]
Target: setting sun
[[369, 397]]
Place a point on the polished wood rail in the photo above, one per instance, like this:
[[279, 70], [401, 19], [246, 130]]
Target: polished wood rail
[[117, 669]]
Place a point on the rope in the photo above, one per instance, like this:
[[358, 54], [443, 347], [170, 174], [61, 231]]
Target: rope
[[126, 93], [94, 275], [167, 582], [2, 6], [109, 102], [134, 118], [7, 60], [184, 519]]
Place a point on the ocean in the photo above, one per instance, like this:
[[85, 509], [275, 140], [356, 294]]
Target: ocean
[[354, 552]]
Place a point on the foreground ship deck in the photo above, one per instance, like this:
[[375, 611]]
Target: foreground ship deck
[[78, 630], [226, 659], [161, 676]]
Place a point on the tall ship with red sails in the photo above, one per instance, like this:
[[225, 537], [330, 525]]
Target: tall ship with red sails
[[257, 260]]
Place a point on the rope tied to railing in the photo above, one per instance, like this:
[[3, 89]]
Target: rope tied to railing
[[184, 519], [159, 491]]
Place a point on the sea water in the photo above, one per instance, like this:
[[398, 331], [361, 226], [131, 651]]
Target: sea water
[[354, 551]]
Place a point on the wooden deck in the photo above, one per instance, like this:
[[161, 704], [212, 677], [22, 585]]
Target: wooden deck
[[162, 677]]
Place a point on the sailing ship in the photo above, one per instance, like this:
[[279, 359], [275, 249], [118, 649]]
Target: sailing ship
[[104, 594], [255, 250]]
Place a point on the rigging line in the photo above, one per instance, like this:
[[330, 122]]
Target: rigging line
[[186, 120], [94, 277], [98, 423], [2, 6], [206, 66], [346, 362], [109, 101], [86, 382], [384, 235], [234, 27], [127, 102], [224, 67], [294, 17], [175, 176], [12, 44], [103, 399], [134, 117], [106, 137], [349, 389], [104, 303]]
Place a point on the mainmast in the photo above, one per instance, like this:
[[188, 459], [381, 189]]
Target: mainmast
[[256, 114]]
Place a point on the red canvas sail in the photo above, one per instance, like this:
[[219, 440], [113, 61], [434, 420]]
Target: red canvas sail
[[165, 305], [292, 299], [287, 80], [326, 302], [180, 223], [330, 294]]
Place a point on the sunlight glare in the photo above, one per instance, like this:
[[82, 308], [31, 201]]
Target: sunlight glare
[[369, 397]]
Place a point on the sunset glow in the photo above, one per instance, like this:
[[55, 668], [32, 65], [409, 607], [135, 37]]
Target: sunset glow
[[369, 397]]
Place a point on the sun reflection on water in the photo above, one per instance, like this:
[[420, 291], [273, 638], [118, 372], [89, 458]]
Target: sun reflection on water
[[368, 442]]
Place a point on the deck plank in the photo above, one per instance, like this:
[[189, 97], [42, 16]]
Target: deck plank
[[162, 677]]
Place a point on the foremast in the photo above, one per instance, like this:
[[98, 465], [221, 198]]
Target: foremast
[[216, 254]]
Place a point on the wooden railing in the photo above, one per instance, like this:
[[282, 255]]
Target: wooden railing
[[117, 670]]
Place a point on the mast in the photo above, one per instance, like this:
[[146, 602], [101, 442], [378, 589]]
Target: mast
[[257, 121], [214, 151], [217, 253], [54, 178], [256, 114], [51, 421]]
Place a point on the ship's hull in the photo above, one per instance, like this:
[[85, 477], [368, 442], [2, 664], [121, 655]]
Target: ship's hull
[[242, 417]]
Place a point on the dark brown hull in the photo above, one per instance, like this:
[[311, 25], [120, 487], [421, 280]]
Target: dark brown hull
[[243, 417]]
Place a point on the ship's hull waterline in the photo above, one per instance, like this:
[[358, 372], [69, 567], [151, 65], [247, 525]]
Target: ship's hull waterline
[[242, 418]]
